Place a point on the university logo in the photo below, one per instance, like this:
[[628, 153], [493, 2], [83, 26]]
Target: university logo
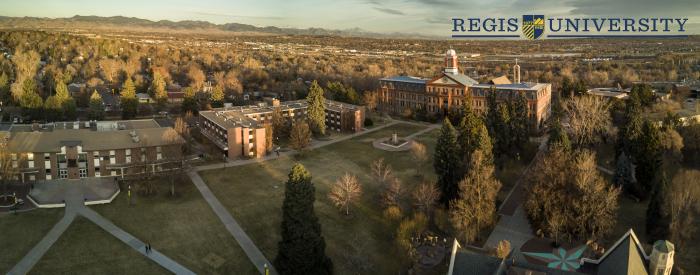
[[533, 26]]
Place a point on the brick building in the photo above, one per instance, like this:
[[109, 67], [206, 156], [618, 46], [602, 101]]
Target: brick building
[[76, 150], [447, 90], [240, 131]]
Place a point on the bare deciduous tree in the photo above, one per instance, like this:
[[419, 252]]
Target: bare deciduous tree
[[426, 196], [419, 155], [589, 119], [300, 136], [346, 191], [684, 199], [381, 172], [391, 196], [110, 69]]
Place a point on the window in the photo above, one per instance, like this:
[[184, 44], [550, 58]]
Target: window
[[63, 173], [82, 173], [14, 161], [30, 160], [112, 157], [159, 154], [128, 155], [47, 156]]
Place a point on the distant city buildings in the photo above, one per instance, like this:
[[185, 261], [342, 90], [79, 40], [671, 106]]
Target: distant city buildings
[[449, 89], [240, 131], [73, 150]]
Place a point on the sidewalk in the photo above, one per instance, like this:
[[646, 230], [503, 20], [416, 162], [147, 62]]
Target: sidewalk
[[252, 251], [75, 205], [314, 145]]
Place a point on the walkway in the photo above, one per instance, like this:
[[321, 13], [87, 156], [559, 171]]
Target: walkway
[[252, 251], [75, 206], [314, 145], [513, 224]]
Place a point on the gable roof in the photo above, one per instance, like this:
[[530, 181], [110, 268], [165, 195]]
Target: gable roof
[[625, 257], [500, 80], [461, 79]]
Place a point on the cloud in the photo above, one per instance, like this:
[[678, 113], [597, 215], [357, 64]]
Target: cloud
[[389, 11]]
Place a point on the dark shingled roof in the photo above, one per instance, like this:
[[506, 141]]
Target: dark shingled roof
[[469, 262]]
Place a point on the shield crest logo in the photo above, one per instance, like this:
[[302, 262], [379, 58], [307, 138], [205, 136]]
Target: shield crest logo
[[533, 26]]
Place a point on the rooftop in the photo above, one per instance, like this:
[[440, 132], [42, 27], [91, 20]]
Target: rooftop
[[96, 135]]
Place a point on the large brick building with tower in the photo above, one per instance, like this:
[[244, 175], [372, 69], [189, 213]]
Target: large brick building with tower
[[74, 150], [239, 131], [449, 89]]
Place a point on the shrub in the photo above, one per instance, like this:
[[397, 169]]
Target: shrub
[[368, 122]]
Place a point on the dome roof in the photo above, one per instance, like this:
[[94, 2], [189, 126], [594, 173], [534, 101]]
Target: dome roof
[[451, 52]]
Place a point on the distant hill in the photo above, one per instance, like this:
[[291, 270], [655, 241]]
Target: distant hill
[[137, 24]]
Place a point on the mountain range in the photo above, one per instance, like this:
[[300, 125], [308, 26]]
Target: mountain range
[[139, 24]]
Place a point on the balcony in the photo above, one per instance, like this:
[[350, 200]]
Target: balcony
[[215, 139]]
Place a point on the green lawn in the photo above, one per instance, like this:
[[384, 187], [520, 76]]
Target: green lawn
[[254, 193], [183, 228], [87, 249], [19, 233]]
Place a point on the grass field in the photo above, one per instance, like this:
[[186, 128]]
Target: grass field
[[19, 233], [183, 228], [254, 193], [87, 249]]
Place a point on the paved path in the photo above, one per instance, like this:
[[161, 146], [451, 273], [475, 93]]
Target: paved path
[[314, 145], [252, 251], [75, 206], [513, 224], [134, 243]]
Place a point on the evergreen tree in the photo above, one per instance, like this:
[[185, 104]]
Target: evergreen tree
[[567, 89], [302, 248], [631, 129], [469, 129], [447, 162], [558, 138], [70, 109], [217, 96], [579, 88], [96, 110], [189, 103], [649, 158], [158, 90], [624, 172], [30, 101], [129, 102], [62, 93], [502, 130], [520, 113], [658, 220], [316, 112], [53, 109]]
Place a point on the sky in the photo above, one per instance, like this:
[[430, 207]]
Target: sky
[[428, 17]]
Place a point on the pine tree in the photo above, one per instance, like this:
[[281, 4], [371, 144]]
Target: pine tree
[[624, 172], [520, 122], [447, 162], [649, 158], [502, 127], [658, 220], [62, 94], [558, 137], [566, 89], [129, 102], [469, 129], [316, 112], [302, 248], [189, 103], [158, 89], [53, 109], [96, 111], [217, 96]]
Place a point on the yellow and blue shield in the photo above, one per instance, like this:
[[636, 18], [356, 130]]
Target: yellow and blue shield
[[533, 26]]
